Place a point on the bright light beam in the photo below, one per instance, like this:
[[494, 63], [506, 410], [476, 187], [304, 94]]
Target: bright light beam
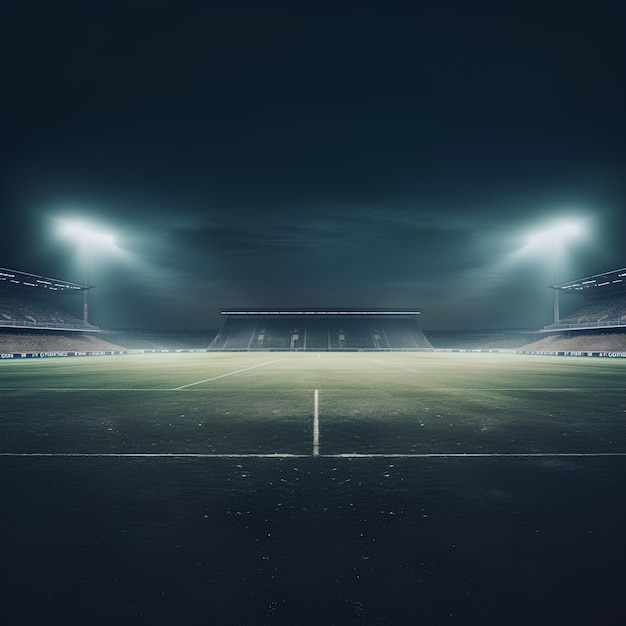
[[85, 235], [83, 232], [554, 237], [558, 233]]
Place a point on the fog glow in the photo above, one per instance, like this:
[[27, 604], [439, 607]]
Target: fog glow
[[82, 232]]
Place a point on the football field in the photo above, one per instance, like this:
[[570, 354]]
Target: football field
[[297, 488]]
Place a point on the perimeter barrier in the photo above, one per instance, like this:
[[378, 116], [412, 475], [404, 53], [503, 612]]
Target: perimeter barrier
[[55, 354], [42, 355]]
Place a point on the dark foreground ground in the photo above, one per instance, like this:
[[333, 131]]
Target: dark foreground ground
[[313, 541]]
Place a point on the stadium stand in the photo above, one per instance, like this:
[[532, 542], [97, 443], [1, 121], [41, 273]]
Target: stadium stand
[[318, 334], [33, 301], [604, 312], [604, 302], [26, 311], [32, 319], [576, 341], [236, 336], [53, 341], [320, 330], [396, 332], [599, 324], [506, 339]]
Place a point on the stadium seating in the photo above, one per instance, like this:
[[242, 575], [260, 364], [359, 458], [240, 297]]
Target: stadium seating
[[313, 333], [400, 334], [277, 334], [22, 311], [11, 343], [317, 334], [575, 341], [497, 339], [602, 312], [235, 336]]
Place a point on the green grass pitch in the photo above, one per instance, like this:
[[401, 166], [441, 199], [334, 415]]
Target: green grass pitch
[[262, 403], [391, 523]]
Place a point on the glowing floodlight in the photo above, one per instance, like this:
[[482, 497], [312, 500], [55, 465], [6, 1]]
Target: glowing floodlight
[[553, 238], [558, 233], [85, 235]]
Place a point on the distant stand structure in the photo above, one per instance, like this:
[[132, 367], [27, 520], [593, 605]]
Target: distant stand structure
[[599, 324], [603, 306], [35, 320], [34, 302], [315, 330]]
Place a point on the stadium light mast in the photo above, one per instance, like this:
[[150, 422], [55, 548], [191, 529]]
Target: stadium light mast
[[554, 238], [86, 237]]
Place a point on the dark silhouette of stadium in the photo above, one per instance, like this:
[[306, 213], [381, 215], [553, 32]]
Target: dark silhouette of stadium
[[604, 302], [34, 317], [320, 330]]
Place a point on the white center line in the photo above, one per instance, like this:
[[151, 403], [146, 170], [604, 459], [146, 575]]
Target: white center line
[[281, 455], [316, 424], [207, 380]]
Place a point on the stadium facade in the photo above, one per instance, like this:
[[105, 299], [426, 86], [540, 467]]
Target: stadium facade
[[35, 322], [32, 314], [33, 302], [603, 307], [336, 329]]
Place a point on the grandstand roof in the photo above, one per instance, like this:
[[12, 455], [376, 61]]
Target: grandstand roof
[[14, 279], [615, 279], [322, 312]]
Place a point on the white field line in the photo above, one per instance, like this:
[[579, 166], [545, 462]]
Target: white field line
[[154, 455], [468, 455], [207, 380], [349, 455], [415, 389], [316, 424], [71, 389]]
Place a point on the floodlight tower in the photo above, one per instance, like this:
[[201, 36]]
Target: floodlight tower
[[555, 237], [86, 237]]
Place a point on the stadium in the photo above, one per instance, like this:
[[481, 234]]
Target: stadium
[[320, 329], [35, 317], [38, 316], [599, 323], [315, 465]]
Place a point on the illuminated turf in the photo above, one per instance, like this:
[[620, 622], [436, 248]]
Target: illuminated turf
[[187, 489], [263, 403]]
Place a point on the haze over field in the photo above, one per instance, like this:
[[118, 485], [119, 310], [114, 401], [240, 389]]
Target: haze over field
[[342, 154]]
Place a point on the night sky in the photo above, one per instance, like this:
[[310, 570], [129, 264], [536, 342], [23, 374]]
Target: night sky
[[304, 154]]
